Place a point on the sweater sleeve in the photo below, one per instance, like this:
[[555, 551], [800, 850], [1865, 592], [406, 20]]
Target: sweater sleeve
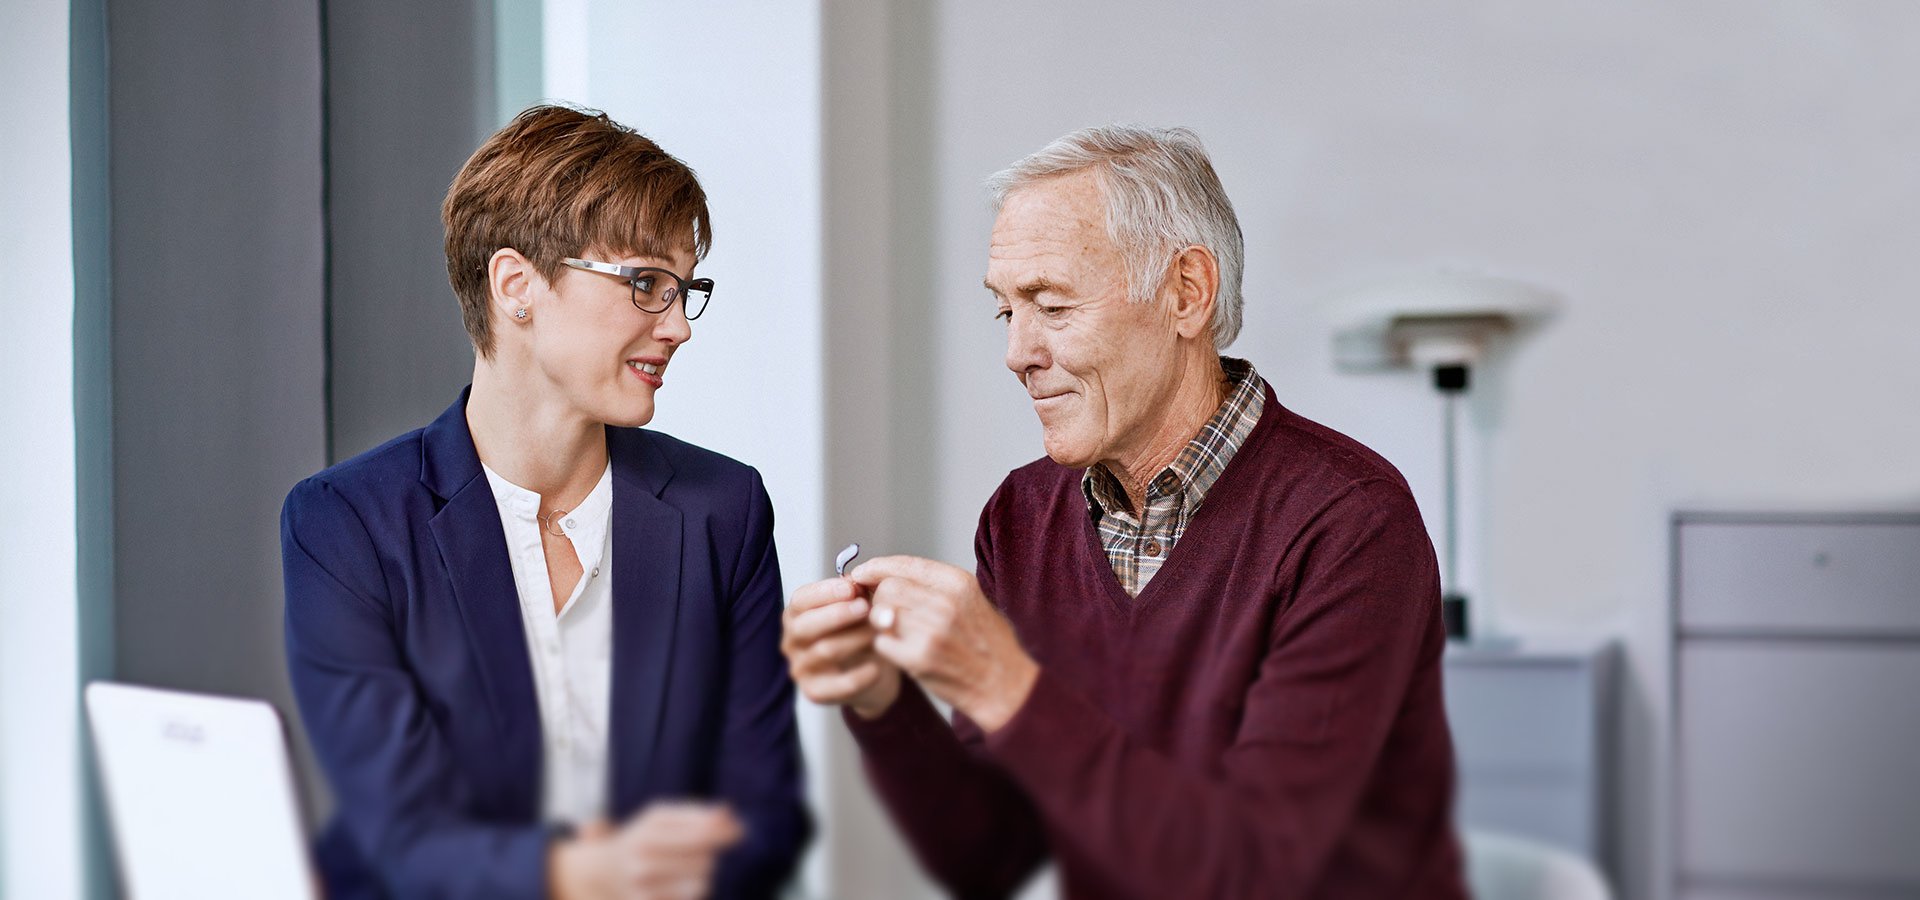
[[1262, 821], [969, 824]]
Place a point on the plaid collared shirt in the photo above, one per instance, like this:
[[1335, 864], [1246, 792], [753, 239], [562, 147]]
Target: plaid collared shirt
[[1137, 544]]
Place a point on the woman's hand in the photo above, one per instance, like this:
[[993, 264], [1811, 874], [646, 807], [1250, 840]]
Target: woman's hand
[[666, 852]]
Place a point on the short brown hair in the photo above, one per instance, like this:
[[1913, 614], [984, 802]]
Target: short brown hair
[[559, 182]]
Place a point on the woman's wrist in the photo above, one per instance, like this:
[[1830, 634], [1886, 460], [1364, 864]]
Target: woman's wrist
[[577, 866]]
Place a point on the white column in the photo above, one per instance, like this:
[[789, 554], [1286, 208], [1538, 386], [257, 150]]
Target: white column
[[565, 28], [733, 88], [40, 765]]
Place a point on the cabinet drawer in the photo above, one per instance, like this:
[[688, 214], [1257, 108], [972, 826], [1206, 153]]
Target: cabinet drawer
[[1798, 763], [1742, 891], [1531, 720], [1801, 577], [1560, 812]]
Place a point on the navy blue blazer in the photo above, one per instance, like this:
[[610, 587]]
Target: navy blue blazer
[[410, 664]]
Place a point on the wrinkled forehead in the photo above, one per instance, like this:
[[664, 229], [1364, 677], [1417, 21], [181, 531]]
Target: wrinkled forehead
[[1067, 210], [1049, 238], [1076, 200]]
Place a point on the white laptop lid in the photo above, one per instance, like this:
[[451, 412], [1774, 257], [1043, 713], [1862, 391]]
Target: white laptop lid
[[201, 794]]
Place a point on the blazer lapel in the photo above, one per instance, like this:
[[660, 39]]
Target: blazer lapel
[[473, 547], [647, 535]]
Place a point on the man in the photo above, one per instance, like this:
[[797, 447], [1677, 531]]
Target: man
[[1201, 655]]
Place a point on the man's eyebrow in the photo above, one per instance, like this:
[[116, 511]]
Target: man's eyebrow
[[1026, 288]]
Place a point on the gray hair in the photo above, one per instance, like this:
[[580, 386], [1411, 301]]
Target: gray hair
[[1162, 196]]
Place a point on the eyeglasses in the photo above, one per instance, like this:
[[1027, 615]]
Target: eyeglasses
[[655, 289]]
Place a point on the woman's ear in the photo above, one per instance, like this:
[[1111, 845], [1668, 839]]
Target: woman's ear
[[511, 284]]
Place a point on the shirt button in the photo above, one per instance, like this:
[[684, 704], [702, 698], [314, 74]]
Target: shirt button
[[596, 571], [1153, 548], [570, 524]]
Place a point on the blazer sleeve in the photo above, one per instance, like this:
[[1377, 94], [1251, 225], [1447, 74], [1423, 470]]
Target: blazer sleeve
[[390, 768], [760, 774]]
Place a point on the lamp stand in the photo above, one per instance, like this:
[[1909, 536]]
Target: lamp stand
[[1451, 381]]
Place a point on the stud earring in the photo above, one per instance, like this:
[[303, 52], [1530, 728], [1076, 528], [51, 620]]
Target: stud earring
[[520, 313]]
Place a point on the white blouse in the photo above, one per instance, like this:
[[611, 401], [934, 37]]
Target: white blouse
[[572, 651]]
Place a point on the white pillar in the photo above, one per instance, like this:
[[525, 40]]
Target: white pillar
[[733, 88], [40, 765]]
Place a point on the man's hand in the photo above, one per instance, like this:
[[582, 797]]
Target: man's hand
[[666, 852], [829, 649], [935, 624]]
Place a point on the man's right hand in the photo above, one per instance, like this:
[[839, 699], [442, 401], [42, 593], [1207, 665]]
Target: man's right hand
[[829, 648], [666, 852]]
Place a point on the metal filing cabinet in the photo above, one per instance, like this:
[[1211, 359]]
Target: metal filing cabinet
[[1530, 722], [1797, 706]]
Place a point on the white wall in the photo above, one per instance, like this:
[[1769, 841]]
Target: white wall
[[40, 838], [733, 88], [1724, 192]]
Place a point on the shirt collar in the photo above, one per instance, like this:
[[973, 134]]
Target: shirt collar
[[595, 511], [591, 513], [511, 497]]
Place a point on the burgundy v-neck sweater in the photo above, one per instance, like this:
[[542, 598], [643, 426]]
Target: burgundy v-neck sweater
[[1263, 720]]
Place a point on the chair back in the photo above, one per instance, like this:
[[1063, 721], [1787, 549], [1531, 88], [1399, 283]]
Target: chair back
[[1506, 867]]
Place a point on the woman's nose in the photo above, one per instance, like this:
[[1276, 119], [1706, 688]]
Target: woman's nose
[[672, 326]]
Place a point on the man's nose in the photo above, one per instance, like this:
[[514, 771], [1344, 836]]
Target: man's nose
[[1026, 347]]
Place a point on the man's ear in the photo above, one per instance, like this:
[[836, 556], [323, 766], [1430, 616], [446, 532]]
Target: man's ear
[[1196, 287], [512, 284]]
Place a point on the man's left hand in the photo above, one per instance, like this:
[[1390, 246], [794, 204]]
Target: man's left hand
[[936, 625]]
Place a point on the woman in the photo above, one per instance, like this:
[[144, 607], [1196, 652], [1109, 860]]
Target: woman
[[536, 649]]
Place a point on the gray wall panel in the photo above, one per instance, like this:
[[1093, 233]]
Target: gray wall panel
[[217, 301], [219, 162], [409, 97]]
